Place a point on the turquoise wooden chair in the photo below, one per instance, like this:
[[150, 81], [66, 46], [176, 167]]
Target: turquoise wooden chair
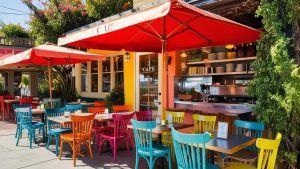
[[190, 150], [19, 106], [250, 129], [54, 128], [144, 147], [73, 107], [24, 117]]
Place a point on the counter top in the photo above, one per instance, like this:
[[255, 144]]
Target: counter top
[[223, 108]]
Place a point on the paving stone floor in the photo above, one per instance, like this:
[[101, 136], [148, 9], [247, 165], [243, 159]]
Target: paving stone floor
[[13, 157]]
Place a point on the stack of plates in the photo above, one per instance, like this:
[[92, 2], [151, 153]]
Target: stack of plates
[[240, 67]]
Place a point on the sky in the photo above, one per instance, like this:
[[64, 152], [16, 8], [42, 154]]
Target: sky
[[17, 7]]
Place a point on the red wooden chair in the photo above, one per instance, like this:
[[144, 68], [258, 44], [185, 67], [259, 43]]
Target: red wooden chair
[[2, 106], [9, 106], [98, 127], [144, 115], [120, 133], [25, 101], [121, 108]]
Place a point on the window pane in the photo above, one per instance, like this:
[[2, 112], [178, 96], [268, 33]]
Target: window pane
[[106, 65], [84, 68], [106, 75], [119, 80], [118, 63], [94, 76], [84, 77], [83, 83], [94, 67]]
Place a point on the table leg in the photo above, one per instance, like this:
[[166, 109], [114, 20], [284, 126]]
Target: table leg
[[211, 157], [159, 142]]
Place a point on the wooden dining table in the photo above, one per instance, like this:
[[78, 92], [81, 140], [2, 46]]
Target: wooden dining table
[[99, 117]]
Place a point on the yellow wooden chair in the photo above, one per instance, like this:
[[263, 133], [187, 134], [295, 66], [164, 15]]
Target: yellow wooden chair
[[266, 157], [177, 117], [204, 123]]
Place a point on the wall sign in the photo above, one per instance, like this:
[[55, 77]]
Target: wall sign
[[222, 130]]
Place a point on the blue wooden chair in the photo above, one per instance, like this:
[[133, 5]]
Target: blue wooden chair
[[190, 150], [250, 129], [144, 147], [54, 128], [19, 106], [73, 107], [24, 117]]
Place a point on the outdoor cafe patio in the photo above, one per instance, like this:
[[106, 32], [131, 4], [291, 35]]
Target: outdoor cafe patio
[[40, 133]]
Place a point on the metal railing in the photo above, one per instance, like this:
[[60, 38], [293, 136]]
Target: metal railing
[[18, 42]]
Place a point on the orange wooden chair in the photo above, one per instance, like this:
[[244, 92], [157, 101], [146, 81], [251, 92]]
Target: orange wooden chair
[[98, 127], [81, 134], [121, 108], [99, 103]]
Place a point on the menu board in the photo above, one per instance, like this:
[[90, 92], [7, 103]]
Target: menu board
[[222, 130]]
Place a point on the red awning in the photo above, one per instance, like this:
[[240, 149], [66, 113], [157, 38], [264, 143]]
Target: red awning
[[181, 25]]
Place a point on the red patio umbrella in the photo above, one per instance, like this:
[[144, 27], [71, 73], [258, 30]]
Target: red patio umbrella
[[167, 26], [48, 55]]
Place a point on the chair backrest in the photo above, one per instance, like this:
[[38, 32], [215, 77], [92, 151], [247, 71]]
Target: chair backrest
[[120, 123], [121, 108], [268, 152], [100, 104], [54, 113], [9, 97], [73, 107], [177, 117], [143, 134], [25, 100], [15, 106], [144, 115], [24, 116], [190, 149], [82, 126], [204, 123], [97, 110], [250, 129]]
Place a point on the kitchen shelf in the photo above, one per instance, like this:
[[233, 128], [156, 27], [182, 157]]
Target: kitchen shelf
[[219, 74], [222, 61]]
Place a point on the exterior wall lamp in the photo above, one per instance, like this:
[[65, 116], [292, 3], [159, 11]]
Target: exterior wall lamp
[[127, 57]]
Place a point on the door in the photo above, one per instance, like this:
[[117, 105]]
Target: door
[[147, 81]]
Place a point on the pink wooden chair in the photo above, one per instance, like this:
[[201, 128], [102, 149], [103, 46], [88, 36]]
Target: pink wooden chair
[[120, 133], [144, 115]]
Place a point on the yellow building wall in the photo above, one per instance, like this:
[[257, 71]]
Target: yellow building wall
[[129, 86], [129, 75]]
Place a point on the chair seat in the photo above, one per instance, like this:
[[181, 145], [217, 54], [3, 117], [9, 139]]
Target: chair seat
[[102, 129], [243, 155], [34, 125], [156, 150], [110, 135], [208, 166], [60, 130], [70, 137], [237, 165]]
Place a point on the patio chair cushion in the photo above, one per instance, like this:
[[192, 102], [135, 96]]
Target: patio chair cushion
[[156, 150]]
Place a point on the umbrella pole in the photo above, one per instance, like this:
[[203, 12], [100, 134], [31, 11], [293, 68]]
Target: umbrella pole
[[50, 82], [164, 81]]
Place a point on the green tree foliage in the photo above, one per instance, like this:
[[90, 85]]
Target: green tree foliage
[[276, 85], [115, 97], [98, 9], [13, 30]]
